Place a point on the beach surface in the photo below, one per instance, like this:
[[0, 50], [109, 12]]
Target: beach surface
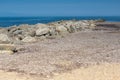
[[98, 72], [84, 55]]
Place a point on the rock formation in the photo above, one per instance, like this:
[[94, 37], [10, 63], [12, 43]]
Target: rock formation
[[32, 33]]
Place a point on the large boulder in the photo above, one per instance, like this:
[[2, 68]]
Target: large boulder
[[24, 26], [3, 31], [70, 26], [61, 30], [40, 25], [82, 25], [17, 32], [29, 39], [12, 29], [4, 38], [27, 29], [31, 33], [42, 31], [52, 31], [23, 29]]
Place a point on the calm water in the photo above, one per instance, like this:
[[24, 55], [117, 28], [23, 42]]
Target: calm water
[[9, 21]]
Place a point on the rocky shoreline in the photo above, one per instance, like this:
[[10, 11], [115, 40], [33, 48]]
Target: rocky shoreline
[[49, 49], [25, 33]]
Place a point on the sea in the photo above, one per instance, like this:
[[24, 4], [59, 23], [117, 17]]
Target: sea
[[10, 21]]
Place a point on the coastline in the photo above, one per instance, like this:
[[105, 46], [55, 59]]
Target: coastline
[[70, 46], [10, 21]]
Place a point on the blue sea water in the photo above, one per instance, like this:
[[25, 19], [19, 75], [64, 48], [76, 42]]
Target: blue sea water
[[10, 21]]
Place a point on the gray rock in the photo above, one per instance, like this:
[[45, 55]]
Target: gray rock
[[31, 33], [12, 29], [3, 31], [19, 37], [40, 25], [52, 31], [42, 31], [61, 30], [18, 32], [29, 39], [4, 38]]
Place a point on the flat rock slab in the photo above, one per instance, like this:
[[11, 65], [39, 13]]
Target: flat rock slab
[[7, 48], [6, 52]]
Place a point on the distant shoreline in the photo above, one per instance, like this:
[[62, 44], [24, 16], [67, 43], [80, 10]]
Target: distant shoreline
[[10, 21]]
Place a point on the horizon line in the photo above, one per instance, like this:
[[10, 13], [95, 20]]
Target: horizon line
[[65, 16]]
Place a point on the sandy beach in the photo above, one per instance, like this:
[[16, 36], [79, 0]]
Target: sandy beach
[[83, 55]]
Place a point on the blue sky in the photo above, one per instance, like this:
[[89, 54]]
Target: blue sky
[[59, 7]]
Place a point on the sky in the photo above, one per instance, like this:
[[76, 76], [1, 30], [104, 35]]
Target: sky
[[59, 8]]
